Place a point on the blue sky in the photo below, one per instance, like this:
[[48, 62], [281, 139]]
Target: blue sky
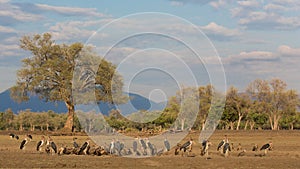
[[253, 38]]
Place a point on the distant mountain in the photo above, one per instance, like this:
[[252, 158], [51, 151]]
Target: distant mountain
[[35, 104]]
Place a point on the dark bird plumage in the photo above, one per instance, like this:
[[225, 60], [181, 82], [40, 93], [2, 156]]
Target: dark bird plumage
[[266, 146], [205, 146], [11, 135], [226, 148], [29, 136], [243, 153], [134, 146], [143, 144], [53, 146], [75, 145], [39, 144], [255, 147], [187, 145], [167, 145], [23, 143], [151, 147], [220, 145], [84, 148]]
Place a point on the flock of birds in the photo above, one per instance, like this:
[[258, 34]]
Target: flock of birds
[[224, 147], [140, 147]]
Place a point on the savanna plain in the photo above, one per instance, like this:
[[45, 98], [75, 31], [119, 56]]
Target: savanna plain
[[285, 153]]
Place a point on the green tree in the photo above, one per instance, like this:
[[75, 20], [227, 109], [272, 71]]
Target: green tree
[[205, 94], [240, 104], [8, 118], [274, 99], [49, 73], [188, 99]]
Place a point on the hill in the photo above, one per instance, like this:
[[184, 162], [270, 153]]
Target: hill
[[136, 103]]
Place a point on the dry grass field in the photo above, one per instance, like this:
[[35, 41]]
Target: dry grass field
[[286, 154]]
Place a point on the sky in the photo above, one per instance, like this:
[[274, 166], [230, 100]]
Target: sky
[[161, 45]]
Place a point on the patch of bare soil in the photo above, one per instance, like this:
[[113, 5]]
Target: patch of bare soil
[[286, 154]]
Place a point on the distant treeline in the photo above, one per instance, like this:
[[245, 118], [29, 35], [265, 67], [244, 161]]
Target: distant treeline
[[264, 105]]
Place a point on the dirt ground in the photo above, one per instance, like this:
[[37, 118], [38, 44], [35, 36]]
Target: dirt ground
[[286, 154]]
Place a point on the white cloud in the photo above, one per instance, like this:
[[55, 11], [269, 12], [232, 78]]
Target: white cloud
[[219, 32], [9, 50], [285, 50], [267, 15], [294, 4], [176, 3], [5, 29], [252, 56], [257, 55], [214, 3], [249, 3], [219, 3], [71, 10], [74, 30], [275, 7], [265, 20], [11, 14]]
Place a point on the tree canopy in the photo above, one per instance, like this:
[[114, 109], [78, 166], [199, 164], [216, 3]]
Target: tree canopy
[[49, 73]]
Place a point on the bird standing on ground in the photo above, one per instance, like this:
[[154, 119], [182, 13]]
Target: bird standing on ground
[[30, 136], [75, 145], [187, 146], [143, 146], [112, 147], [11, 135], [118, 147], [134, 144], [40, 144], [135, 147], [51, 146], [255, 147], [226, 149], [167, 145], [205, 146], [222, 143], [150, 147], [266, 147], [23, 143], [85, 147], [243, 153], [239, 147]]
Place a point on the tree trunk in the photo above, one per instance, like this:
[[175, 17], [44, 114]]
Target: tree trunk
[[276, 122], [239, 122], [252, 124], [21, 127], [203, 125], [69, 123], [32, 127], [182, 124], [292, 126], [271, 122], [246, 125], [231, 125]]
